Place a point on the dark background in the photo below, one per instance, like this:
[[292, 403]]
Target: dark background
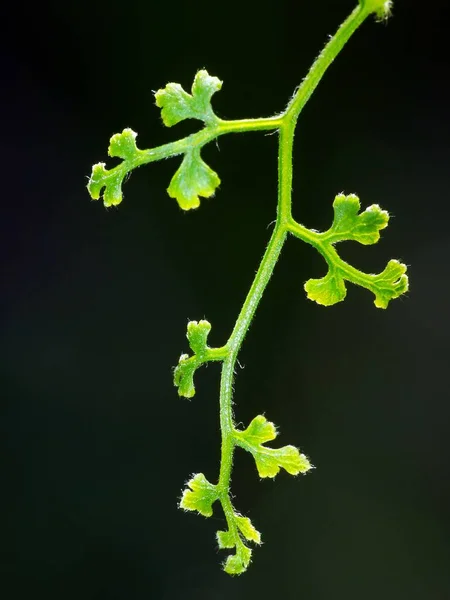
[[96, 444]]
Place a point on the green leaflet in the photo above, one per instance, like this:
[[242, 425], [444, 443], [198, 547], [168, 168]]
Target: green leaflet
[[121, 145], [237, 563], [177, 105], [349, 224], [270, 460], [193, 179], [247, 529], [389, 284], [386, 286], [327, 291], [197, 335], [183, 375], [200, 495], [365, 227]]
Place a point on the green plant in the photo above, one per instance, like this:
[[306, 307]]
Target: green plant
[[195, 179]]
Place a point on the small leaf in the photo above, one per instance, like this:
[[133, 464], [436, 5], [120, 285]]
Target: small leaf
[[260, 430], [177, 105], [197, 334], [193, 179], [121, 145], [349, 225], [225, 539], [247, 529], [200, 497], [183, 376], [270, 460], [390, 284], [110, 180], [328, 290], [365, 227], [236, 564]]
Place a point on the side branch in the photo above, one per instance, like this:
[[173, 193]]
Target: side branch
[[192, 180]]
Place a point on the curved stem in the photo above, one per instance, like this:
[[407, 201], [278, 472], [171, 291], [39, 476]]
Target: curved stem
[[286, 124], [324, 60], [234, 343]]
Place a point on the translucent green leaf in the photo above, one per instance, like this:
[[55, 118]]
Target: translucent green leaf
[[121, 145], [386, 286], [110, 180], [193, 179], [200, 495], [260, 430], [364, 227], [247, 529], [390, 284], [349, 225], [183, 377], [270, 460], [236, 564], [177, 105], [328, 290], [226, 539], [197, 334]]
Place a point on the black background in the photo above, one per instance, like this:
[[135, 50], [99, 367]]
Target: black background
[[94, 305]]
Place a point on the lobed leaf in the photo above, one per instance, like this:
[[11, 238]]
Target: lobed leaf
[[176, 104], [200, 495], [349, 225], [193, 179], [121, 145], [183, 377], [390, 284], [237, 563], [270, 460], [328, 290], [197, 335], [247, 529], [386, 286], [364, 227], [260, 430], [226, 539]]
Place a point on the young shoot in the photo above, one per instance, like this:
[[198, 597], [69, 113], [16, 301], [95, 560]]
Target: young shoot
[[194, 180]]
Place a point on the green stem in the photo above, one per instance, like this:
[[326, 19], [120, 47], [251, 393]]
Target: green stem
[[286, 124], [234, 344], [324, 60]]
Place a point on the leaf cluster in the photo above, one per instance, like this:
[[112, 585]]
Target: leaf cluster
[[194, 178], [349, 224], [200, 494]]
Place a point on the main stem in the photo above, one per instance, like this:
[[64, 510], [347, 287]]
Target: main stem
[[287, 122]]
